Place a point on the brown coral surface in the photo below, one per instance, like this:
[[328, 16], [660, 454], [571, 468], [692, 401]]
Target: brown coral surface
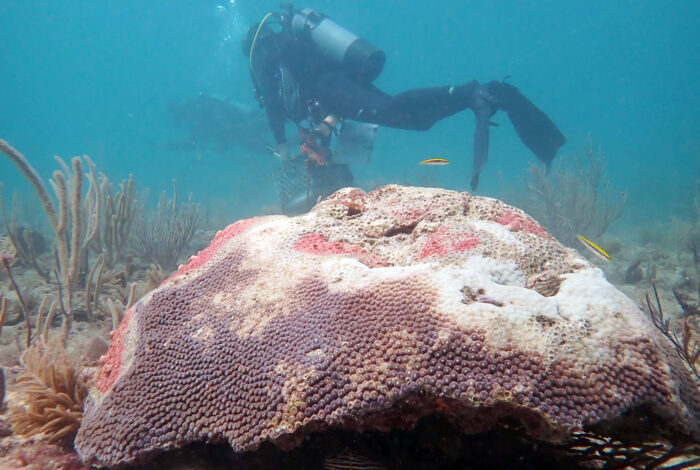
[[372, 311]]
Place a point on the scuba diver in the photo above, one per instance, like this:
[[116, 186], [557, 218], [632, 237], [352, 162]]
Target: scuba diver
[[319, 75]]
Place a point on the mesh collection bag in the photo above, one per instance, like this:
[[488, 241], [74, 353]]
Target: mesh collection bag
[[299, 184]]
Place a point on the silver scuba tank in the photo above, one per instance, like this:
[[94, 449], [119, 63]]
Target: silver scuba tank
[[361, 59]]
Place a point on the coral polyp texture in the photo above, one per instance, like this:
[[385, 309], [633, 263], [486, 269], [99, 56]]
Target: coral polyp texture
[[370, 312]]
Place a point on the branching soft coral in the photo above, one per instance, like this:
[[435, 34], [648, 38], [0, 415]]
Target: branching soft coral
[[53, 393], [574, 197], [687, 346]]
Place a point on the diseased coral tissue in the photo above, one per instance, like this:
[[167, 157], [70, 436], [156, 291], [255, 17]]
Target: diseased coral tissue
[[369, 313]]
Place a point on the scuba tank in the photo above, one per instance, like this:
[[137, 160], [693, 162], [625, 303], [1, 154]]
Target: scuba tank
[[362, 60]]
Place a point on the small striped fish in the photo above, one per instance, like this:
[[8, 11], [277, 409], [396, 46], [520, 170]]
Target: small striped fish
[[595, 249], [347, 460], [435, 161]]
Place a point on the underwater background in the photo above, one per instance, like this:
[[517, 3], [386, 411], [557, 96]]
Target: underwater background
[[161, 91], [98, 78]]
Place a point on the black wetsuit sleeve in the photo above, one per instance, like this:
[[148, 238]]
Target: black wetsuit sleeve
[[266, 60]]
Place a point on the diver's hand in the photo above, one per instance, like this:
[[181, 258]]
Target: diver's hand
[[283, 152], [324, 130]]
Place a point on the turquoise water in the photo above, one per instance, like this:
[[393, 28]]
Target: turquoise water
[[97, 78]]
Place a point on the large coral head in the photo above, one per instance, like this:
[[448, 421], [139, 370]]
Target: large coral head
[[370, 312]]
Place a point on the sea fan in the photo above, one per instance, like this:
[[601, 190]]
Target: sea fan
[[52, 392]]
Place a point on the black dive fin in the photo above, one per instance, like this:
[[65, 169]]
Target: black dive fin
[[481, 148], [533, 126]]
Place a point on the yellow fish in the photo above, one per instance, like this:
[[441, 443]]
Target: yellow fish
[[595, 249], [435, 161]]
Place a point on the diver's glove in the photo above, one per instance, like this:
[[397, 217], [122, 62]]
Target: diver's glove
[[325, 129]]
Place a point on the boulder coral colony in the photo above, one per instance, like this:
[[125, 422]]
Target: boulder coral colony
[[369, 312]]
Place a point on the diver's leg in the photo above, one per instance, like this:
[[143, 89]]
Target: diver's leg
[[421, 108], [347, 99], [416, 109]]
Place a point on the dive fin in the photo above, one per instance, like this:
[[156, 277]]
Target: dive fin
[[532, 125], [481, 147]]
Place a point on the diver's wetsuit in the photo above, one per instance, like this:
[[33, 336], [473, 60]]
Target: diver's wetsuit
[[338, 94]]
